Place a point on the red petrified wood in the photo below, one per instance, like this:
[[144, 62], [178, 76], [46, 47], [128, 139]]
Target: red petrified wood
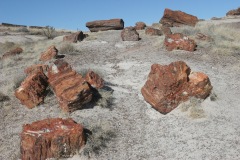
[[129, 34], [153, 32], [51, 138], [78, 36], [36, 68], [104, 25], [233, 12], [178, 41], [169, 85], [31, 91], [71, 89], [12, 52], [51, 53], [94, 79], [177, 18], [140, 26]]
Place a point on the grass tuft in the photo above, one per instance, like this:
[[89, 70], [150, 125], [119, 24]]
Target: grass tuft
[[4, 97], [98, 137], [194, 108], [67, 48]]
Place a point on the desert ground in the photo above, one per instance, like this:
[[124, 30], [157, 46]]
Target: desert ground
[[123, 125]]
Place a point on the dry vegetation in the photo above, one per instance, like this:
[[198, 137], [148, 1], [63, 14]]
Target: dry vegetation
[[226, 37]]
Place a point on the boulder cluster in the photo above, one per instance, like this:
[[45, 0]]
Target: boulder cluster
[[72, 89], [55, 137], [166, 86]]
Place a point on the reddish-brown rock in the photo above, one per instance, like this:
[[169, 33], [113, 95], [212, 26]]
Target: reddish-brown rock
[[169, 85], [166, 30], [51, 138], [71, 88], [140, 26], [104, 25], [153, 32], [178, 41], [31, 92], [74, 37], [49, 54], [177, 18], [12, 52], [36, 68], [94, 80], [199, 85], [129, 34], [233, 12]]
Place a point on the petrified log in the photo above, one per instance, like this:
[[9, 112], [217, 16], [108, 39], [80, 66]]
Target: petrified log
[[36, 68], [49, 54], [104, 25], [51, 138], [71, 89], [177, 18], [169, 85], [74, 37], [31, 91]]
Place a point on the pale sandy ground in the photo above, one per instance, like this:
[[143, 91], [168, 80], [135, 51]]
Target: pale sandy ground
[[141, 132]]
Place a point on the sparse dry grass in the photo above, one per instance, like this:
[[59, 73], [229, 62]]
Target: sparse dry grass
[[7, 46], [98, 137], [4, 97], [194, 108], [226, 38], [67, 48]]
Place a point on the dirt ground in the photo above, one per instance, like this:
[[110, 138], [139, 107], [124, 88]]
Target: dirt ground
[[209, 129]]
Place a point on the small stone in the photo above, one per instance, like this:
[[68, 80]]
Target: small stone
[[129, 34]]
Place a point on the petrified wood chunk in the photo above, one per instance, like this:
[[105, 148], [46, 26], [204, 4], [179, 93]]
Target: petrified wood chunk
[[51, 138], [94, 79], [49, 54], [153, 32], [169, 85], [177, 18], [74, 37], [71, 89], [178, 41], [104, 25], [12, 52], [31, 91], [140, 26], [36, 68], [129, 34]]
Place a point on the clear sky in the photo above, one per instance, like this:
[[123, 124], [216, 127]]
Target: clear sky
[[73, 14]]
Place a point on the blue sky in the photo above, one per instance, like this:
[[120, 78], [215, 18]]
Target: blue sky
[[73, 14]]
